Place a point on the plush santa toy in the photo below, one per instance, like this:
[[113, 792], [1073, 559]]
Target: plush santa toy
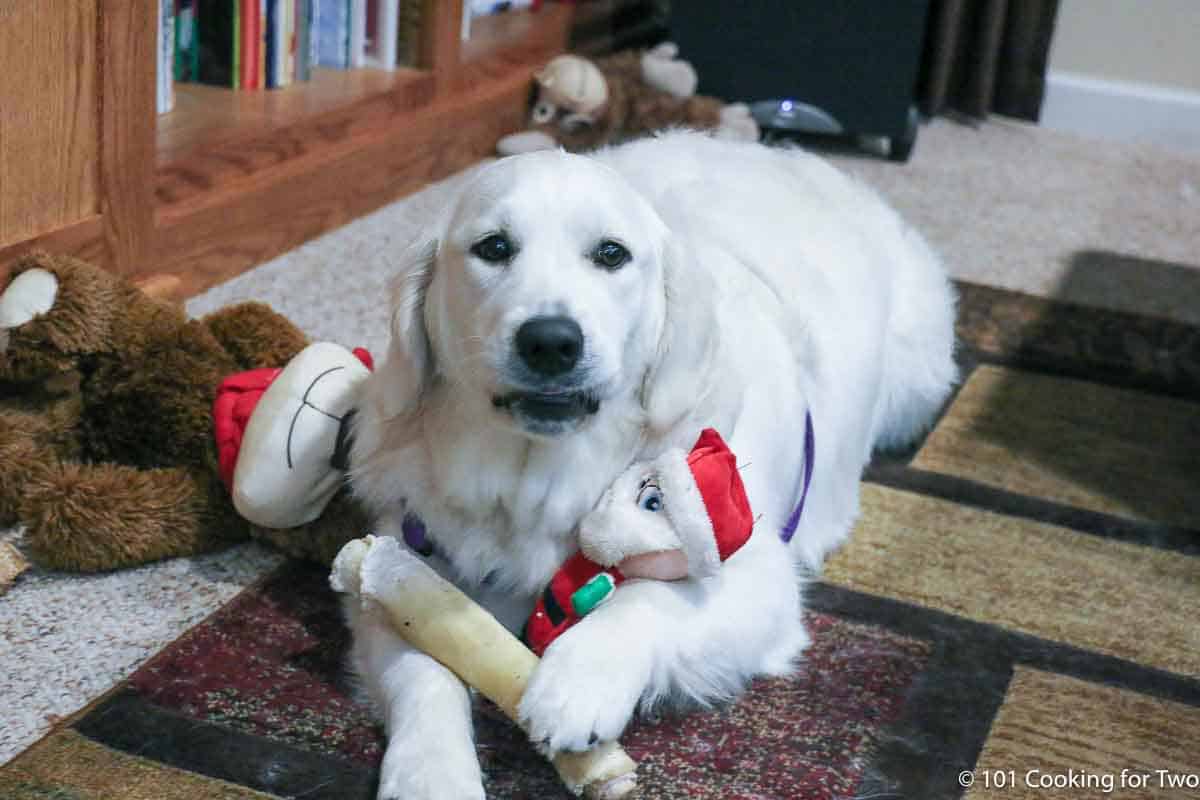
[[678, 516]]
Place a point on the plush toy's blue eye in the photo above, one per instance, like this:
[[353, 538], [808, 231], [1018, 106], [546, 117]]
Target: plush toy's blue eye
[[650, 498], [494, 249]]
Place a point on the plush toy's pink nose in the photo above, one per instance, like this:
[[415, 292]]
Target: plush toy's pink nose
[[665, 565]]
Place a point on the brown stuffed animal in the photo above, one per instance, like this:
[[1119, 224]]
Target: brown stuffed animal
[[582, 104], [107, 455]]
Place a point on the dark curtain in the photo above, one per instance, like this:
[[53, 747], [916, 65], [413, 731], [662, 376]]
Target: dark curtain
[[985, 56]]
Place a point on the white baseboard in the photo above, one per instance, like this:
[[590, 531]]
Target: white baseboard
[[1119, 110]]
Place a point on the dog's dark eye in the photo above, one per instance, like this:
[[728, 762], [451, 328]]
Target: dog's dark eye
[[494, 248], [610, 255], [650, 498]]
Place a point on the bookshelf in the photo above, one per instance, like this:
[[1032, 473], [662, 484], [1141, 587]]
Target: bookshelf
[[230, 179]]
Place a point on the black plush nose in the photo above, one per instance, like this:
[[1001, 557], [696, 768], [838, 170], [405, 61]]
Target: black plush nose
[[550, 345]]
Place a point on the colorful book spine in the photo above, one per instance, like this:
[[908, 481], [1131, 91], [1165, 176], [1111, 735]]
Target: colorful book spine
[[358, 33], [272, 42], [249, 44], [408, 50], [215, 42], [185, 40], [333, 33], [303, 37], [264, 33], [386, 34], [165, 70], [289, 42], [235, 77], [250, 40]]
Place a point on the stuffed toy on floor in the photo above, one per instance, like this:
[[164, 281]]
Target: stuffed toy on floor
[[583, 104], [678, 516], [107, 449]]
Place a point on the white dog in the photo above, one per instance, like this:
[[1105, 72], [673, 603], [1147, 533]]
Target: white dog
[[572, 314]]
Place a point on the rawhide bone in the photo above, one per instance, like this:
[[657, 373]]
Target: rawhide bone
[[434, 616]]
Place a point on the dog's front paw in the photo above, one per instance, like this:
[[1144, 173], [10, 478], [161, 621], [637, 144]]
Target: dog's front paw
[[433, 771], [584, 690]]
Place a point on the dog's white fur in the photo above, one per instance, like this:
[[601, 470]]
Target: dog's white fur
[[763, 284]]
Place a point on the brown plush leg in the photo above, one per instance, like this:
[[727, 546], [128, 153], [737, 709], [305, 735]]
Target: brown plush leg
[[13, 455], [97, 517], [256, 335], [27, 437]]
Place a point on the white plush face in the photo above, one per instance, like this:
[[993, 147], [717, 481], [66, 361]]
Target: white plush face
[[630, 519], [547, 296]]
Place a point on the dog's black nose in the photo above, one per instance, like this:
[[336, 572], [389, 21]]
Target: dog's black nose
[[550, 345]]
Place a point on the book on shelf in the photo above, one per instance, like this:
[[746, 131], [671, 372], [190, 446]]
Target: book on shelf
[[383, 28], [408, 35], [164, 99], [331, 33], [303, 39], [269, 44], [249, 41], [358, 33], [243, 44], [186, 68], [214, 42]]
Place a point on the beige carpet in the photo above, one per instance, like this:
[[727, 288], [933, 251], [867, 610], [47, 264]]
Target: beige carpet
[[1007, 204], [1020, 207]]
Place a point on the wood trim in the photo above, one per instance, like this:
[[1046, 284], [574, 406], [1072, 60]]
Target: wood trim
[[127, 64], [83, 239], [206, 177], [223, 209], [215, 240], [508, 48]]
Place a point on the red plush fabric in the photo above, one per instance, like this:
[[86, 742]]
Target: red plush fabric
[[545, 624], [364, 355], [714, 468], [236, 398]]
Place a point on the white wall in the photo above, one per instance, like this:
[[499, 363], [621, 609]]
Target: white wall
[[1126, 69]]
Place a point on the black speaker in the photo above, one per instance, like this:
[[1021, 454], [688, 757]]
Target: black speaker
[[845, 67]]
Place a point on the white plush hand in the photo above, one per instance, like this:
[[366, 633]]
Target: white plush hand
[[525, 142], [587, 685], [663, 70], [284, 476], [737, 124], [31, 294]]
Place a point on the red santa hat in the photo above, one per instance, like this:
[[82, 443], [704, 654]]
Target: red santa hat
[[705, 500]]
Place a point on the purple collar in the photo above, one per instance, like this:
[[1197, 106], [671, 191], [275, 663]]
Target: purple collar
[[415, 535], [810, 447]]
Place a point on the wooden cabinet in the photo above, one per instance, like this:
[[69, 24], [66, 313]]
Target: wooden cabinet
[[232, 178]]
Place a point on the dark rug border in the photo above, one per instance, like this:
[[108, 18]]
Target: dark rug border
[[1116, 348], [129, 723], [966, 492]]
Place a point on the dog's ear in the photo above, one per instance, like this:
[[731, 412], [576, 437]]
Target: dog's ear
[[679, 375], [403, 378]]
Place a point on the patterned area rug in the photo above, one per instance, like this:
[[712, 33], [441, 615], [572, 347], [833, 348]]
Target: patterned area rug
[[1016, 615]]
